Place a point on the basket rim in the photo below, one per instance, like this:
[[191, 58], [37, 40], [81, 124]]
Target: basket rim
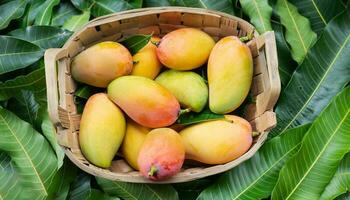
[[208, 171]]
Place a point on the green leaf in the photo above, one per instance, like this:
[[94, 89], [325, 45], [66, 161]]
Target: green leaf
[[24, 106], [77, 21], [286, 65], [136, 42], [319, 12], [83, 5], [33, 81], [256, 177], [105, 7], [32, 158], [345, 196], [17, 54], [307, 174], [63, 12], [85, 91], [45, 14], [298, 31], [340, 182], [81, 189], [155, 3], [49, 132], [259, 13], [193, 118], [44, 36], [324, 72], [63, 178], [132, 191], [191, 190], [11, 10], [136, 3], [36, 6], [223, 5]]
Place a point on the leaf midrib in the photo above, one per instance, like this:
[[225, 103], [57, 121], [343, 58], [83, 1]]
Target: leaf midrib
[[22, 85], [319, 155], [26, 154], [296, 27], [318, 85], [319, 13], [260, 16], [80, 18], [274, 164], [20, 53]]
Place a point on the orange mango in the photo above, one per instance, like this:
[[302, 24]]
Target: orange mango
[[162, 154], [146, 61], [185, 49], [145, 101], [100, 64], [102, 129], [219, 141], [230, 72]]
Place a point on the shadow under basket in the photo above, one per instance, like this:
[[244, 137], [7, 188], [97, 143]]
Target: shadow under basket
[[159, 21]]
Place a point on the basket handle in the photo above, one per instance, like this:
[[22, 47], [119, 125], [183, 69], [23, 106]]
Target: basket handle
[[50, 58], [272, 67]]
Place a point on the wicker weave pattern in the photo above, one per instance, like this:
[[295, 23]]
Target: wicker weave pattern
[[159, 21]]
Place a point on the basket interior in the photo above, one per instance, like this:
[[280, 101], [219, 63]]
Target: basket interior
[[159, 22]]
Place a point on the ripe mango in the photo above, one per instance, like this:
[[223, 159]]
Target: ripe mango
[[146, 61], [185, 49], [188, 87], [101, 63], [217, 142], [144, 100], [102, 129], [162, 154], [230, 72], [134, 137]]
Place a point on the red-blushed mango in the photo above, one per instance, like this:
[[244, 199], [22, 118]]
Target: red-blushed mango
[[146, 61], [101, 63], [162, 154], [102, 129], [185, 49], [217, 142], [145, 101], [134, 137], [230, 72]]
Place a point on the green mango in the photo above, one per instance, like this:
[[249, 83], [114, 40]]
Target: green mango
[[188, 87]]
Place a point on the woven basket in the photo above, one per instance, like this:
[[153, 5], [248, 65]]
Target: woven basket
[[159, 21]]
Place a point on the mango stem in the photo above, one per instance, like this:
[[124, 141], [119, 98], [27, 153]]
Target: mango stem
[[152, 171], [248, 37], [155, 43], [183, 111], [255, 133]]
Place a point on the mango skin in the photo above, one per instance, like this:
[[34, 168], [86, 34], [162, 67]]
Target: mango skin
[[146, 61], [134, 137], [230, 73], [145, 101], [102, 129], [100, 64], [217, 142], [188, 87], [185, 49], [163, 149]]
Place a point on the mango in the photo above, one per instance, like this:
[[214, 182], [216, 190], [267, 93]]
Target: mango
[[162, 154], [217, 142], [134, 137], [102, 129], [100, 64], [146, 62], [230, 73], [144, 100], [185, 49], [188, 87]]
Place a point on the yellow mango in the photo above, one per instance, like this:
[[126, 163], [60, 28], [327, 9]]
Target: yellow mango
[[146, 61], [230, 72], [185, 49], [100, 64], [134, 136], [102, 129], [217, 142]]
